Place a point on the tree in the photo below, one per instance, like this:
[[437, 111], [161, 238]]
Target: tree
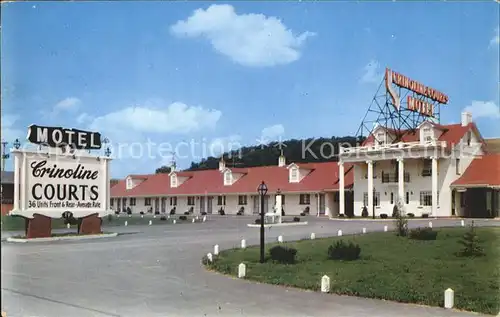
[[164, 169], [471, 243]]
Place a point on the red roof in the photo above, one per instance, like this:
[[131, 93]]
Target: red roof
[[320, 177], [451, 133], [483, 171]]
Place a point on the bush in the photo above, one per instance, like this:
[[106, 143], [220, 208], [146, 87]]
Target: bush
[[172, 211], [364, 213], [411, 215], [241, 211], [203, 213], [423, 234], [401, 221], [395, 211], [343, 251], [302, 214], [163, 218], [117, 212], [341, 215], [425, 215], [307, 210], [471, 243], [296, 219], [221, 212], [186, 213], [383, 216], [183, 217], [110, 217], [257, 221], [141, 213], [283, 255], [156, 212]]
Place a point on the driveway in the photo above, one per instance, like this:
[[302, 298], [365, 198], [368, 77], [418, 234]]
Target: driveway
[[156, 271]]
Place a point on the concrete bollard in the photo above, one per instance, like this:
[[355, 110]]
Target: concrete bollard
[[242, 270], [154, 216], [117, 216], [68, 226], [193, 220], [325, 284], [168, 217], [130, 216], [204, 218], [174, 222], [449, 295], [364, 230], [462, 223], [280, 239], [243, 244], [150, 222], [209, 257], [385, 228], [126, 223], [216, 249], [430, 224], [313, 236], [339, 233], [142, 216], [196, 217]]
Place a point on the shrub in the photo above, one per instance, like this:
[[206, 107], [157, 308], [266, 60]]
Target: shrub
[[110, 217], [241, 211], [471, 243], [203, 213], [163, 218], [425, 215], [383, 216], [117, 212], [307, 210], [257, 221], [344, 251], [129, 211], [303, 214], [423, 234], [296, 219], [186, 213], [172, 211], [401, 221], [156, 212], [221, 212], [142, 213], [395, 211], [364, 213], [183, 217], [341, 215], [283, 255], [411, 215]]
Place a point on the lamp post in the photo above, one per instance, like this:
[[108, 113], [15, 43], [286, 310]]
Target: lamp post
[[262, 190]]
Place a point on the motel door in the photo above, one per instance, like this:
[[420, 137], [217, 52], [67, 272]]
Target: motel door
[[118, 204], [157, 205], [202, 204], [209, 204], [322, 204], [163, 204], [256, 204], [124, 202]]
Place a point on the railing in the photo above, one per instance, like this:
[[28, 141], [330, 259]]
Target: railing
[[394, 177], [426, 172], [392, 146]]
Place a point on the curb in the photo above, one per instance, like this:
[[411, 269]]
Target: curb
[[82, 237], [251, 225]]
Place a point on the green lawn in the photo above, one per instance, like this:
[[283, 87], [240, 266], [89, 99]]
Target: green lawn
[[390, 267]]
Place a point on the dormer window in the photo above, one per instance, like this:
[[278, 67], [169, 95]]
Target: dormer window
[[294, 175], [228, 178], [427, 134], [381, 138], [129, 183], [173, 181]]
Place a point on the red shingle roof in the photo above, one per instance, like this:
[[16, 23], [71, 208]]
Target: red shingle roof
[[483, 171], [321, 177]]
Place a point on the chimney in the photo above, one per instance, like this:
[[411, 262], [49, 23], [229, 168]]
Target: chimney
[[466, 118], [222, 164], [281, 160]]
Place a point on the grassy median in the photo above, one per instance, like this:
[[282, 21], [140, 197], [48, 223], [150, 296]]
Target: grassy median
[[390, 267]]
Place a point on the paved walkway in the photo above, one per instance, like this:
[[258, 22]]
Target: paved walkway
[[156, 271]]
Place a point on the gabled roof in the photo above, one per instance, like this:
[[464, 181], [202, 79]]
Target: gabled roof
[[484, 171], [323, 177]]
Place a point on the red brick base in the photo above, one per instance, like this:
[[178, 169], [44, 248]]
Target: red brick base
[[90, 225], [38, 227]]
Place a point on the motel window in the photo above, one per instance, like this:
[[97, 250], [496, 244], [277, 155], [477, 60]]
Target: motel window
[[228, 178], [294, 175], [392, 198], [147, 201], [129, 183], [407, 198], [132, 201], [427, 134], [304, 199], [242, 200], [427, 170], [173, 181], [376, 199], [425, 198], [124, 202], [221, 200], [111, 202], [457, 166], [173, 201], [190, 200]]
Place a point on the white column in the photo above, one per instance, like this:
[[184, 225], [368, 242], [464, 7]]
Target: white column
[[317, 205], [370, 187], [341, 188], [434, 185], [17, 181], [401, 180], [22, 181]]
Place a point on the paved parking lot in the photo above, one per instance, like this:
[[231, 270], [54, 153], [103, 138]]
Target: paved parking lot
[[156, 271]]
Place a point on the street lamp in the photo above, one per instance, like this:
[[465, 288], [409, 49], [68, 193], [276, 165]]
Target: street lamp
[[107, 152], [262, 190], [17, 144]]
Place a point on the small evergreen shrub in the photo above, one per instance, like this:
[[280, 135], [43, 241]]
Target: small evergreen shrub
[[471, 243], [302, 214], [395, 211], [183, 217], [141, 213], [423, 234], [401, 221], [283, 255], [341, 215], [383, 216], [344, 251], [172, 211], [296, 219], [411, 215], [257, 221], [364, 213], [203, 213], [186, 213], [110, 218], [163, 218], [425, 215]]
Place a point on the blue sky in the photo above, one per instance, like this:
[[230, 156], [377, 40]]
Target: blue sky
[[174, 72]]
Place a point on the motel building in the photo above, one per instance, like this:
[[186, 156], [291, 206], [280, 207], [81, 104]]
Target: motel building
[[434, 170]]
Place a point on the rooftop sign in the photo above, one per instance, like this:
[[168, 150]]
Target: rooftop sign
[[58, 137]]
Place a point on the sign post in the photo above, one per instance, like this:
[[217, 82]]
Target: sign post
[[61, 181]]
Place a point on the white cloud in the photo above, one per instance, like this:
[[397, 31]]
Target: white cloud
[[83, 118], [273, 132], [495, 40], [68, 104], [9, 131], [248, 39], [224, 144], [371, 72], [487, 109]]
